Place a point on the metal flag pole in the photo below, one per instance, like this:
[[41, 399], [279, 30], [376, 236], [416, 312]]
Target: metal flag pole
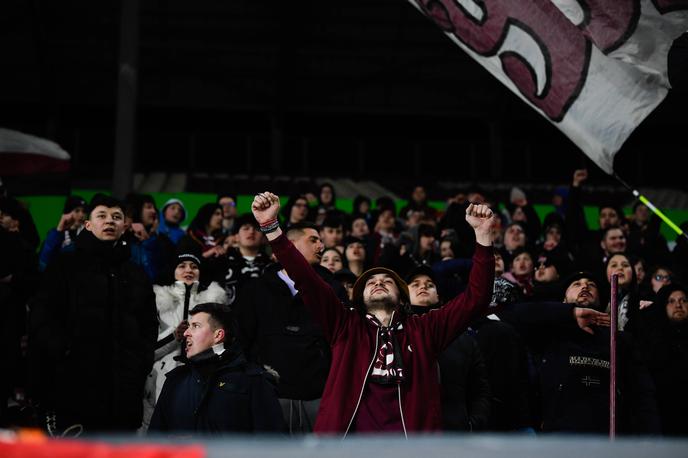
[[612, 358], [654, 209]]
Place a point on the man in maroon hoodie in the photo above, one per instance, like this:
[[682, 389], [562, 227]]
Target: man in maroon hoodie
[[383, 376]]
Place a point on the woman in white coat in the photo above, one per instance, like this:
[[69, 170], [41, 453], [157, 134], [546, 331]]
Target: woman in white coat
[[174, 302]]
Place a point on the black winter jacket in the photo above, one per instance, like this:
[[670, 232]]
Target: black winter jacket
[[218, 393], [465, 385], [277, 330], [93, 328], [664, 348], [574, 371]]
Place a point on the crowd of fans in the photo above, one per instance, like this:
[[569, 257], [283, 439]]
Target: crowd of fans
[[130, 317]]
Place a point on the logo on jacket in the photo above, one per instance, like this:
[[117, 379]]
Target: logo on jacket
[[589, 381], [588, 361]]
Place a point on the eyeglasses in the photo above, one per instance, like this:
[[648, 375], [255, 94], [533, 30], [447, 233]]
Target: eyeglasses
[[228, 204], [662, 277]]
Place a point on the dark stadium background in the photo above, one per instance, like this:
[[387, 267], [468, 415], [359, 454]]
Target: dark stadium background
[[358, 89]]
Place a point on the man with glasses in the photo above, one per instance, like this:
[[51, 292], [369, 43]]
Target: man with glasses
[[228, 202]]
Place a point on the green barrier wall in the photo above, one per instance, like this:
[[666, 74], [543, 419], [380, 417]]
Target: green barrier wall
[[46, 210]]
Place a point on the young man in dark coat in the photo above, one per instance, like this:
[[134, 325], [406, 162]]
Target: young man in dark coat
[[571, 341], [247, 260], [93, 328], [383, 376], [217, 390], [463, 375]]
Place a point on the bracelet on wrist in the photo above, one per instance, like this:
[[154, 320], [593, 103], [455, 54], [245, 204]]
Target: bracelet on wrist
[[271, 227], [268, 223]]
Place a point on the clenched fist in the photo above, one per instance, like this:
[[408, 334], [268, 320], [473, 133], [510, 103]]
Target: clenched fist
[[265, 207]]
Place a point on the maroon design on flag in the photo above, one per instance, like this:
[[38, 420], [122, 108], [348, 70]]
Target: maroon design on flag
[[594, 68], [609, 23], [565, 49]]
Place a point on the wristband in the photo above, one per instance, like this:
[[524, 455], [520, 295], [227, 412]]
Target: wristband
[[268, 222], [271, 226]]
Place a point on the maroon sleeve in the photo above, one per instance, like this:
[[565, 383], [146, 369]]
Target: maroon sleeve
[[317, 295], [443, 325]]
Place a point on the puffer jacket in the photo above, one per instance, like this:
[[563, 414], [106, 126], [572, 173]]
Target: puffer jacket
[[92, 336]]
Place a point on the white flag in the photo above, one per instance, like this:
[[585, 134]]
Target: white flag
[[23, 154], [594, 68]]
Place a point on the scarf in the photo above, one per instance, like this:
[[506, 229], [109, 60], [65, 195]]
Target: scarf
[[208, 241], [388, 367], [525, 281]]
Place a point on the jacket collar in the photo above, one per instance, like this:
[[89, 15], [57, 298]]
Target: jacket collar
[[180, 287], [116, 252], [226, 358]]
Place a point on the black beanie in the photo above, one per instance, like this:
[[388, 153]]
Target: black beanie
[[72, 203], [186, 256]]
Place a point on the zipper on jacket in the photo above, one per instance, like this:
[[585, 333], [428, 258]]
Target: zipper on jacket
[[360, 396], [185, 316], [187, 299], [401, 411]]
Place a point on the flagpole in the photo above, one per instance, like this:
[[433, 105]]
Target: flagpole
[[649, 205], [612, 358]]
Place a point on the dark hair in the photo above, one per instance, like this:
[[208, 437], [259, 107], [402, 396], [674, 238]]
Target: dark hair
[[332, 221], [358, 200], [386, 203], [242, 220], [614, 206], [633, 291], [300, 228], [610, 228], [637, 204], [341, 255], [334, 194], [286, 210], [135, 203], [220, 195], [106, 201], [633, 286], [203, 216], [220, 318], [12, 207], [73, 202], [519, 251], [426, 230]]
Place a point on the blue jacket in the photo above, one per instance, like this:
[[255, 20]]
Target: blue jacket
[[53, 245]]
